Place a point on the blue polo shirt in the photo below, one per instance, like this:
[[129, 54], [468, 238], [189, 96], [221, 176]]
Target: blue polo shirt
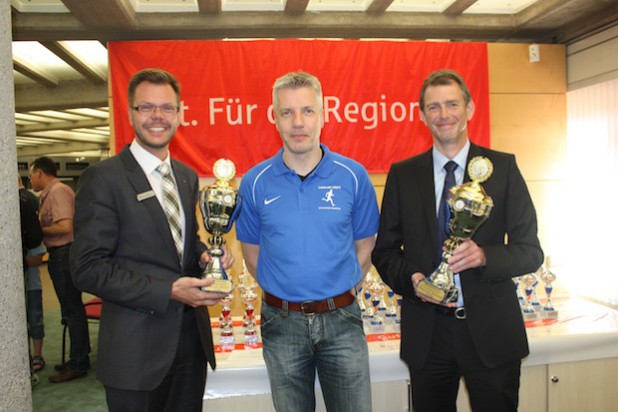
[[306, 229]]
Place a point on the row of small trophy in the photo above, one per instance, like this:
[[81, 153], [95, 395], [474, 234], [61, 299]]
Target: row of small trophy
[[247, 290], [378, 315], [531, 307]]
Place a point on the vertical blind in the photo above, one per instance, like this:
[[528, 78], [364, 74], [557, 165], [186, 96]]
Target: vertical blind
[[590, 201]]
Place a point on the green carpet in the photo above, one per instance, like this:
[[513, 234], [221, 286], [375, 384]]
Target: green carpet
[[83, 395]]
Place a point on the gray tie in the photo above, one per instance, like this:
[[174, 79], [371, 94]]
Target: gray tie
[[171, 206]]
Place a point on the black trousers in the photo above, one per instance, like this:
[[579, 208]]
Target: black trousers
[[453, 355], [182, 388], [71, 307]]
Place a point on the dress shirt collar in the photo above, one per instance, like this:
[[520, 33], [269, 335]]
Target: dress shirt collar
[[439, 160], [147, 161]]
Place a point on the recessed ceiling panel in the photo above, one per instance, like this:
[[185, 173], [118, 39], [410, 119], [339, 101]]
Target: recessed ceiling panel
[[39, 6], [252, 5], [338, 5], [422, 6], [38, 56], [165, 6], [499, 6]]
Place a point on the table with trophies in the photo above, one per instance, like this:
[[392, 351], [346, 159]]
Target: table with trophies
[[565, 329], [559, 330]]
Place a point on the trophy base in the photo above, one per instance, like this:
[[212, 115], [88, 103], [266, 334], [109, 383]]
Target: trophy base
[[428, 290], [530, 316], [226, 340], [224, 286], [377, 326], [251, 340], [549, 314]]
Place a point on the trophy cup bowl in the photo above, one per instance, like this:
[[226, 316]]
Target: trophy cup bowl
[[470, 207], [220, 205]]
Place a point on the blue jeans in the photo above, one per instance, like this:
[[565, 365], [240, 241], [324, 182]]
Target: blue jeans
[[333, 343], [34, 314], [71, 306]]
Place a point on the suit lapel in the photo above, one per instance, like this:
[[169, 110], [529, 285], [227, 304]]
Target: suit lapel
[[140, 184], [427, 192]]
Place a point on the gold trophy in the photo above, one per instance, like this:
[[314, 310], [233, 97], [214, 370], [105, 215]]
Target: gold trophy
[[470, 206], [220, 205]]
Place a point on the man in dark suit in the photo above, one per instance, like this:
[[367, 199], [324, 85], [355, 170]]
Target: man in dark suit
[[143, 260], [481, 336]]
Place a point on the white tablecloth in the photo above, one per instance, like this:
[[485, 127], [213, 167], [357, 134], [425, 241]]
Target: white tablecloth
[[583, 330]]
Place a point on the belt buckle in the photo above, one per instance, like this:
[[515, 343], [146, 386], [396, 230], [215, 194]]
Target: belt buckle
[[308, 304], [460, 312]]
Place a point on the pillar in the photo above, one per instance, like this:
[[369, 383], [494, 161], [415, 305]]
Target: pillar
[[15, 391]]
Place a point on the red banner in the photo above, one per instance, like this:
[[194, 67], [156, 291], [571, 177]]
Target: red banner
[[370, 92]]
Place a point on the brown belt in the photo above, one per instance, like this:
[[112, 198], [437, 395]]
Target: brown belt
[[312, 306]]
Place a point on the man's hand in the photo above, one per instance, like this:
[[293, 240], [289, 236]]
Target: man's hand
[[227, 260], [188, 291], [466, 256], [416, 279]]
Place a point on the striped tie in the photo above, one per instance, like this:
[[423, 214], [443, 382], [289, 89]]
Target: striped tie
[[171, 206]]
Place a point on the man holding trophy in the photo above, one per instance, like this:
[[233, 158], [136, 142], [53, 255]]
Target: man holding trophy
[[136, 246], [450, 249], [307, 229]]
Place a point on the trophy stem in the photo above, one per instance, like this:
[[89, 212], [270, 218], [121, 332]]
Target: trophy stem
[[440, 285], [214, 268], [216, 240]]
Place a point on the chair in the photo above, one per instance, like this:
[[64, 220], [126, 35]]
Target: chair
[[93, 312]]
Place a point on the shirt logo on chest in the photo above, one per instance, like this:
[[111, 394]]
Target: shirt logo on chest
[[272, 199], [329, 197]]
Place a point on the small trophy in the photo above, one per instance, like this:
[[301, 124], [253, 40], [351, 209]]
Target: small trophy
[[364, 296], [226, 328], [391, 310], [249, 296], [361, 302], [376, 290], [520, 296], [470, 206], [528, 311], [548, 277], [220, 205], [535, 298], [398, 320]]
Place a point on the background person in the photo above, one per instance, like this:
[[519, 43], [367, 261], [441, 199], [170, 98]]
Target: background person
[[34, 288], [56, 215], [31, 236]]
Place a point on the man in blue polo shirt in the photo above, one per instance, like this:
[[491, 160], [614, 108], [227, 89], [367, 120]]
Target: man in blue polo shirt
[[307, 230]]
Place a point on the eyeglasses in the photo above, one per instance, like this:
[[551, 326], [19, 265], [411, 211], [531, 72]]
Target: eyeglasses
[[148, 108]]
